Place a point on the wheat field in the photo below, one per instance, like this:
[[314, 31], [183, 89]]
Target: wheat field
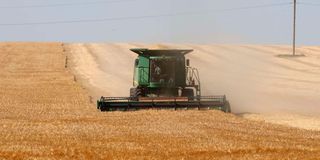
[[46, 113]]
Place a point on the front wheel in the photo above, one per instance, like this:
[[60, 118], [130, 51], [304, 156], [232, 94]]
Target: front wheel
[[226, 108], [135, 93], [187, 92]]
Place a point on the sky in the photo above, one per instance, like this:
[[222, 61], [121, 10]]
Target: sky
[[160, 21]]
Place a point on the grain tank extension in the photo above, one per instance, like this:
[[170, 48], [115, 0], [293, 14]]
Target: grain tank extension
[[164, 79]]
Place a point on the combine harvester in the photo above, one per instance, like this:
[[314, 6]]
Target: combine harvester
[[163, 79]]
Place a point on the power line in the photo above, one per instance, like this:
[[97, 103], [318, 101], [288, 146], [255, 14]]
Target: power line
[[258, 6], [144, 17], [309, 4], [64, 4]]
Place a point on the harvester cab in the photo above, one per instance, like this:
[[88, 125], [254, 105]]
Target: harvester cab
[[163, 78], [164, 73]]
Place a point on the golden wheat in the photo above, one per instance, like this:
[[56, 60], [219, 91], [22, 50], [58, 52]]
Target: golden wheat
[[45, 114]]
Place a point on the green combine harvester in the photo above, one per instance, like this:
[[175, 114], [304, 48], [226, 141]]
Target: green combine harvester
[[163, 79]]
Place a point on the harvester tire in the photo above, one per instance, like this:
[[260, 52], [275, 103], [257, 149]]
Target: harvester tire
[[135, 93], [187, 93], [132, 92], [226, 107]]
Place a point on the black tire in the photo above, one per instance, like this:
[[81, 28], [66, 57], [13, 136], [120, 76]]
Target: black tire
[[187, 93], [174, 92], [226, 108], [132, 92], [169, 93], [135, 93]]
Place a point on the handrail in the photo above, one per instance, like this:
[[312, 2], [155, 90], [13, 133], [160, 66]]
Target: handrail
[[193, 74]]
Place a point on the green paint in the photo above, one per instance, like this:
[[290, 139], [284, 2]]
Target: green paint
[[171, 62]]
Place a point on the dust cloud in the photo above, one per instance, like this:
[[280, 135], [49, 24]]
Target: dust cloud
[[253, 77]]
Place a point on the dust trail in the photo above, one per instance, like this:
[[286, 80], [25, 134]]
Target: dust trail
[[253, 77], [259, 82]]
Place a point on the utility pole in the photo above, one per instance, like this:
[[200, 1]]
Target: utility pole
[[294, 26]]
